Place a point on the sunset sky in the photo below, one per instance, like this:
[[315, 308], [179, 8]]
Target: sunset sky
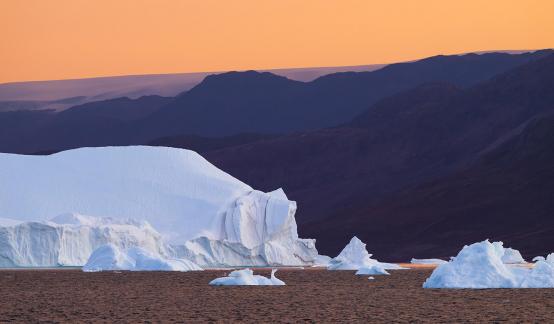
[[61, 39]]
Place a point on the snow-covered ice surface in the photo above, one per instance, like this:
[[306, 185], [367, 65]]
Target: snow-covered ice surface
[[246, 277], [69, 240], [110, 257], [481, 265], [428, 261], [203, 213], [373, 270], [5, 222], [354, 256]]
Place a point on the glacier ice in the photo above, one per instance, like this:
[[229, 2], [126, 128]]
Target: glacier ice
[[201, 212], [355, 256], [481, 265], [246, 277], [111, 257], [69, 240]]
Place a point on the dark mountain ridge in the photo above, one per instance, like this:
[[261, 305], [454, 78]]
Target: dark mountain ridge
[[245, 102], [238, 102]]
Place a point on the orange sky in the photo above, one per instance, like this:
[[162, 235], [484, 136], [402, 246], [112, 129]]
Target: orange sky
[[61, 39]]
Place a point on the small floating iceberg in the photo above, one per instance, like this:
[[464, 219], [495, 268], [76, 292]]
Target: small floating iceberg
[[354, 256], [373, 270], [110, 257], [246, 277], [482, 265]]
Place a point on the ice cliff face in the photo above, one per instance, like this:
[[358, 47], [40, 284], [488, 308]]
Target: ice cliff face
[[257, 229], [201, 212], [69, 240]]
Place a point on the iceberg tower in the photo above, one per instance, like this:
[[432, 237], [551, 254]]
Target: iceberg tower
[[354, 256]]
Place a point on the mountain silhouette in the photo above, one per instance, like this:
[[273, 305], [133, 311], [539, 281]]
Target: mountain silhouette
[[245, 102], [253, 102]]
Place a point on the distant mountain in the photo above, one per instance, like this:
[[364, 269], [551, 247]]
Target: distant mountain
[[93, 124], [234, 103], [48, 94], [403, 141], [20, 105], [237, 102], [17, 126], [122, 109]]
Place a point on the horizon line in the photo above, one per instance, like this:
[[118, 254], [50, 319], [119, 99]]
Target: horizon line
[[480, 52]]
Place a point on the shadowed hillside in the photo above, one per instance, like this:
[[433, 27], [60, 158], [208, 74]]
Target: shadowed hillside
[[507, 195]]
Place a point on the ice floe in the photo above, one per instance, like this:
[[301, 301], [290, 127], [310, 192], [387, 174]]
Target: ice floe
[[482, 265], [246, 277], [110, 257], [354, 256]]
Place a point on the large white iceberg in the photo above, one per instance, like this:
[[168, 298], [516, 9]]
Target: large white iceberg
[[481, 265], [202, 213], [354, 256], [69, 240], [110, 257], [246, 277]]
